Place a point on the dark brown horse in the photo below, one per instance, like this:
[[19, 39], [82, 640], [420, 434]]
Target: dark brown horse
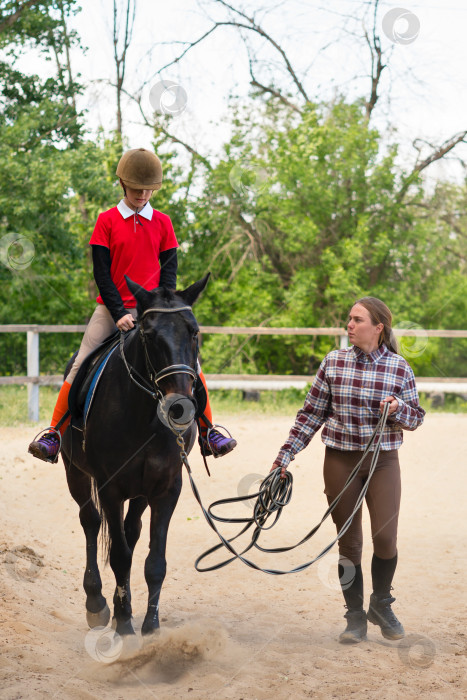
[[131, 452]]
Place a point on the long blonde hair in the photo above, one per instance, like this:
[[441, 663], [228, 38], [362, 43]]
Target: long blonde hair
[[379, 313]]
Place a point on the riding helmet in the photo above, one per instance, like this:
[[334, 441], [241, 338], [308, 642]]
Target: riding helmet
[[140, 169]]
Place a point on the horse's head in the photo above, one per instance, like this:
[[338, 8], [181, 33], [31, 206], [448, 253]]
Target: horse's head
[[169, 334]]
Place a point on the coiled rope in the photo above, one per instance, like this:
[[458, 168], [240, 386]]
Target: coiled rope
[[273, 495]]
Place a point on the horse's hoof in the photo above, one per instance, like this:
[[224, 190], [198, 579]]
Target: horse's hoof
[[150, 627], [123, 627], [98, 619]]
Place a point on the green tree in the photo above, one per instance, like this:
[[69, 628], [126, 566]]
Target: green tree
[[304, 214], [45, 168]]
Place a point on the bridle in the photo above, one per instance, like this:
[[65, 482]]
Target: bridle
[[154, 377]]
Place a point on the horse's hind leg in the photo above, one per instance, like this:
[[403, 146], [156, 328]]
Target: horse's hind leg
[[97, 610], [156, 566]]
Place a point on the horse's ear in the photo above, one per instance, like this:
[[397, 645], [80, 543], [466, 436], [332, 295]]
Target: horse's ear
[[142, 296], [191, 293]]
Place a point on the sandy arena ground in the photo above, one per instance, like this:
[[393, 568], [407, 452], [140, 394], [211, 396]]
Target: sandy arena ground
[[236, 633]]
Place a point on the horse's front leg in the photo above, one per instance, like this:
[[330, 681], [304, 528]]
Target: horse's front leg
[[120, 561], [156, 566], [97, 610]]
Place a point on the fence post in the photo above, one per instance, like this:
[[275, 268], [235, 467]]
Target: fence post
[[33, 371], [344, 342]]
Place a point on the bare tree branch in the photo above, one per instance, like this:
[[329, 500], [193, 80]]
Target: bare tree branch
[[66, 41], [158, 125], [437, 154], [191, 45], [253, 26], [377, 65], [447, 146], [189, 148], [268, 89], [120, 61], [57, 47], [250, 25], [277, 94], [53, 43]]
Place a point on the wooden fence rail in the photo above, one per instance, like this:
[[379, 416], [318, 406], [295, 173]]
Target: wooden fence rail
[[228, 381]]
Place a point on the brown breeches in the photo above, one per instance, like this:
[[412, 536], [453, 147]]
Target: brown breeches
[[382, 498]]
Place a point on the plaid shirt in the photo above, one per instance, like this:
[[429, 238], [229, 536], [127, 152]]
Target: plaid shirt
[[345, 396]]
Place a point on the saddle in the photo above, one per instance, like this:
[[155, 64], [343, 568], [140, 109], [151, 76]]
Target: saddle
[[86, 381]]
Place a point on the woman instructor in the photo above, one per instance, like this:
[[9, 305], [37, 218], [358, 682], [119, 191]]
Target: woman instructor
[[348, 394]]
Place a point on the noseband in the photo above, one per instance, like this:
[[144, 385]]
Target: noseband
[[154, 376]]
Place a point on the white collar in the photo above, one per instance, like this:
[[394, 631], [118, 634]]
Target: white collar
[[126, 212]]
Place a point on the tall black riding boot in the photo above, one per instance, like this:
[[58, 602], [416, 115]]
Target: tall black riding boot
[[351, 580], [380, 611]]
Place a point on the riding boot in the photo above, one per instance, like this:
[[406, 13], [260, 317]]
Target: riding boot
[[61, 407], [211, 441], [47, 447], [351, 580], [380, 611]]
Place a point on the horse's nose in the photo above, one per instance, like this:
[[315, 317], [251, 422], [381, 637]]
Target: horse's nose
[[176, 411]]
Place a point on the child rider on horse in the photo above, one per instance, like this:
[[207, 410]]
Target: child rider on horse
[[136, 240]]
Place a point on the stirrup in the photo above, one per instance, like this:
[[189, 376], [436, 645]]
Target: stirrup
[[217, 425], [226, 436], [51, 429]]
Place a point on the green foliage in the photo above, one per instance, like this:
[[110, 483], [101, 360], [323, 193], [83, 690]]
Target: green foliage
[[302, 214], [52, 185], [48, 278], [305, 214]]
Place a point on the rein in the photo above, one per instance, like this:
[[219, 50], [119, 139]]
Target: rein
[[274, 494]]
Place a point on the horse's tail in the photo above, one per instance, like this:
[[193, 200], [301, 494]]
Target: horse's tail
[[104, 532]]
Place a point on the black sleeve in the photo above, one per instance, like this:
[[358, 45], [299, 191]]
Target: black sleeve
[[169, 263], [107, 289]]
